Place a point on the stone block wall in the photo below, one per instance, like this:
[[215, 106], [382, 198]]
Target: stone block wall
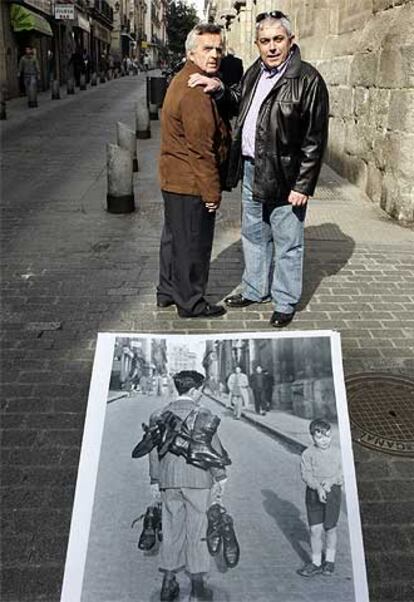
[[365, 51]]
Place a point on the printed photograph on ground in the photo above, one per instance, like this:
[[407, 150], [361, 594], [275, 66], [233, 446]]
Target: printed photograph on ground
[[216, 468]]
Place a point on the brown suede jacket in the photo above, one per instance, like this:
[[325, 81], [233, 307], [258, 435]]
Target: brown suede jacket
[[194, 140]]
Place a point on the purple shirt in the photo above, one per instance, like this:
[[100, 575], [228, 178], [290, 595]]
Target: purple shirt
[[267, 80]]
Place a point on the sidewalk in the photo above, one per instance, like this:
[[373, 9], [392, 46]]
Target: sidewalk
[[292, 430]]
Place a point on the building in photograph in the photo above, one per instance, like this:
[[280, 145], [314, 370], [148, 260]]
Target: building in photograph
[[299, 370], [181, 358]]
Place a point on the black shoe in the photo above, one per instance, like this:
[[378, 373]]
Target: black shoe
[[165, 303], [279, 319], [231, 548], [240, 301], [170, 589], [210, 311], [199, 590], [147, 538], [151, 437], [214, 515]]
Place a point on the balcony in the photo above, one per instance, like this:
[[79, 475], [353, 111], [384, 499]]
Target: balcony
[[103, 8]]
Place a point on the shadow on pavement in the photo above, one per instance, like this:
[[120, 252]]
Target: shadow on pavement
[[288, 520], [327, 251], [225, 272]]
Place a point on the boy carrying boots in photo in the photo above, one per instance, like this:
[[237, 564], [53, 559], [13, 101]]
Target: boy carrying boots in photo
[[321, 470]]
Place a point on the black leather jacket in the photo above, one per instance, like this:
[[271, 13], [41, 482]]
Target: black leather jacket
[[291, 131]]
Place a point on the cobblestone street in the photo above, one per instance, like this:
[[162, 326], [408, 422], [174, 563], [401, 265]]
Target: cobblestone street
[[70, 270]]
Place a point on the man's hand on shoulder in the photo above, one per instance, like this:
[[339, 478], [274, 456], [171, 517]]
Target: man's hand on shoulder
[[211, 85], [297, 199]]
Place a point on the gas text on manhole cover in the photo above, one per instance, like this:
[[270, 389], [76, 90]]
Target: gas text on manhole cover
[[381, 409]]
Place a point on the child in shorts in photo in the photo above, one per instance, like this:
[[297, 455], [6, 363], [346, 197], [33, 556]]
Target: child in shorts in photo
[[321, 470]]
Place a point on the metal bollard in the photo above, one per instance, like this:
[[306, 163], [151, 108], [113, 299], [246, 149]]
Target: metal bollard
[[126, 139], [3, 112], [120, 195], [32, 93], [142, 121], [70, 86], [94, 79], [55, 90], [82, 82]]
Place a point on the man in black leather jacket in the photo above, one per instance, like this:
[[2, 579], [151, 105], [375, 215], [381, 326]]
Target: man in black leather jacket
[[279, 139]]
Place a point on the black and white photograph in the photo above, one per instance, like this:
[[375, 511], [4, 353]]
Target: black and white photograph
[[216, 467]]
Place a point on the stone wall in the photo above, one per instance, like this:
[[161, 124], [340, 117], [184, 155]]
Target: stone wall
[[365, 51]]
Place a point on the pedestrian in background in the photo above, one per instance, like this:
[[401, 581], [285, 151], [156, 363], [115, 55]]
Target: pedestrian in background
[[231, 68], [279, 140], [194, 147], [238, 384], [28, 70], [260, 388]]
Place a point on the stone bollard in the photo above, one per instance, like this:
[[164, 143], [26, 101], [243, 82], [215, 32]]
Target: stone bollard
[[94, 79], [142, 122], [126, 139], [3, 112], [55, 90], [82, 82], [32, 93], [153, 111], [120, 195], [102, 78], [70, 86]]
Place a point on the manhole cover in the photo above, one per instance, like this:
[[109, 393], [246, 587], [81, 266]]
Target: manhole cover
[[381, 409]]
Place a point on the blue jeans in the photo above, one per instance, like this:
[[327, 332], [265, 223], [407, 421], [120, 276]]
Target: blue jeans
[[273, 253]]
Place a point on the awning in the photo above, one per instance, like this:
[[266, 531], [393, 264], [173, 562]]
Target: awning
[[23, 19]]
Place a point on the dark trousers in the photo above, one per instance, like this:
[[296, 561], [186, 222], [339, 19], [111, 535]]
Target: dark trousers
[[260, 402], [185, 252]]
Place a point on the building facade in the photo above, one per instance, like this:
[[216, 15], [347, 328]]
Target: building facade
[[60, 33]]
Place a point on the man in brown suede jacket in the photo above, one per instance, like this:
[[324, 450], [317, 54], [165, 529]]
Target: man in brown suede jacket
[[194, 145]]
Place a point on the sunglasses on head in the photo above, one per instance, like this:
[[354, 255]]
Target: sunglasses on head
[[273, 14]]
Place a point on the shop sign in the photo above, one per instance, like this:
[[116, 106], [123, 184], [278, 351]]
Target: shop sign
[[65, 12]]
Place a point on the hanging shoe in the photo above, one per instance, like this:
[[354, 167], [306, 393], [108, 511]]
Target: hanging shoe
[[200, 451], [231, 548], [151, 438], [147, 537], [213, 536]]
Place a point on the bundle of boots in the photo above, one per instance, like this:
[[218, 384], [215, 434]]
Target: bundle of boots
[[221, 535], [191, 438], [151, 528]]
